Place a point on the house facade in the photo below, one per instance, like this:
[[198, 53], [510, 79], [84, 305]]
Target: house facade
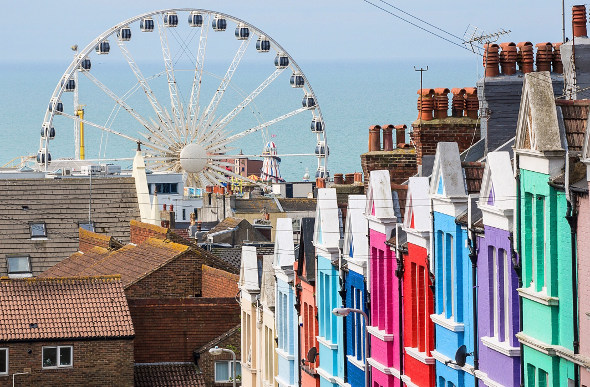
[[453, 297], [330, 327], [384, 325], [355, 253], [419, 365]]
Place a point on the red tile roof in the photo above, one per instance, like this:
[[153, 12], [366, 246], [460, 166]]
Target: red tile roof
[[473, 175], [63, 308], [167, 375]]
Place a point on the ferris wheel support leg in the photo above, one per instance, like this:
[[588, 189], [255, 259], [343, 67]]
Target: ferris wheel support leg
[[197, 79]]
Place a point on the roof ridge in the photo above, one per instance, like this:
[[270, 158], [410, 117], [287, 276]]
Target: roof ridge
[[102, 278]]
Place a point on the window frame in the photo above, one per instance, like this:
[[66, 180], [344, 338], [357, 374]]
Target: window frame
[[32, 224], [19, 274], [6, 362], [58, 356], [230, 371]]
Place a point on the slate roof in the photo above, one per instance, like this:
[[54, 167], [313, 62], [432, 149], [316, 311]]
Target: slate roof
[[473, 172], [257, 205], [63, 205], [226, 224], [167, 375], [233, 255], [64, 308], [298, 204], [132, 262]]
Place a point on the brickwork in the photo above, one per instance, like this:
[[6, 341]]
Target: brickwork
[[171, 329], [95, 363], [88, 240], [218, 283], [207, 361], [427, 134], [401, 164], [142, 231], [178, 278]]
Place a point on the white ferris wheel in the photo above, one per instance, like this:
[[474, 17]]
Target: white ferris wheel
[[191, 123]]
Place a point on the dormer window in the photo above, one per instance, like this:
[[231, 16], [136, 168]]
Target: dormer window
[[38, 230], [19, 266]]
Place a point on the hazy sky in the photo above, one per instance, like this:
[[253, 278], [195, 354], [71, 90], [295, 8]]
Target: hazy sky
[[326, 30]]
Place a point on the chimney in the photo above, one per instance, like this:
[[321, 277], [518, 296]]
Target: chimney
[[358, 177], [508, 58], [471, 102], [491, 58], [387, 137], [374, 138], [400, 134], [458, 105], [199, 226], [320, 182], [441, 102], [338, 178], [164, 207], [579, 21], [557, 63], [544, 56], [525, 57], [425, 104]]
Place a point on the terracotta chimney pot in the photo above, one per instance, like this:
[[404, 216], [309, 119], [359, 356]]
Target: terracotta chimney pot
[[525, 57], [471, 102], [400, 134], [557, 64], [441, 102], [348, 178], [387, 137], [358, 177], [491, 59], [544, 56], [374, 138], [320, 182], [458, 102], [338, 178], [508, 58], [425, 104], [579, 21]]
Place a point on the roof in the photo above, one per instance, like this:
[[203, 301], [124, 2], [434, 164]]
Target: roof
[[255, 206], [327, 225], [575, 117], [63, 205], [498, 184], [447, 176], [417, 211], [131, 262], [218, 339], [356, 240], [284, 248], [379, 197], [228, 223], [306, 250], [473, 172], [64, 308], [167, 375], [233, 255], [298, 204]]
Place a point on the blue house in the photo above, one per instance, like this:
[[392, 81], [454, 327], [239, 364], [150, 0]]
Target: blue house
[[286, 319], [355, 253], [453, 296], [331, 332]]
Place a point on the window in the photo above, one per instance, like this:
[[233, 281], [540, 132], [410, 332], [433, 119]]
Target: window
[[184, 214], [535, 244], [38, 230], [268, 354], [164, 188], [224, 371], [54, 357], [19, 267], [358, 327], [3, 361]]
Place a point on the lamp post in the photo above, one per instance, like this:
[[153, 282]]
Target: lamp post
[[343, 312], [218, 351]]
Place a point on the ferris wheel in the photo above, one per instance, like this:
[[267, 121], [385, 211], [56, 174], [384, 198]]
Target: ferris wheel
[[184, 116]]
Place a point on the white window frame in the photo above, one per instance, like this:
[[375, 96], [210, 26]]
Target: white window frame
[[44, 236], [230, 365], [58, 348], [507, 290], [495, 293], [19, 274], [6, 364], [533, 244]]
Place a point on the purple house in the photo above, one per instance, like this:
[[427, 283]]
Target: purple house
[[498, 312]]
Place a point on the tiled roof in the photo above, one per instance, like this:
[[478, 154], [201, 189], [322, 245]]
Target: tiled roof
[[473, 172], [72, 266], [219, 339], [226, 224], [132, 262], [298, 204], [233, 255], [167, 375], [63, 308], [255, 206], [575, 116], [63, 205]]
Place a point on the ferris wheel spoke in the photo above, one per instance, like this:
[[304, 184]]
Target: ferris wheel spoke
[[213, 176], [232, 174], [193, 108], [230, 139], [164, 119], [209, 113], [228, 118], [177, 113]]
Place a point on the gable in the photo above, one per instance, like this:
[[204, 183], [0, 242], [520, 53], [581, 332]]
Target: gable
[[447, 174], [249, 269], [355, 237], [379, 198], [284, 253], [498, 187], [327, 222], [418, 204]]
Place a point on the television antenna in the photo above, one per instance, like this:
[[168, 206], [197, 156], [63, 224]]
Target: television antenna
[[474, 35]]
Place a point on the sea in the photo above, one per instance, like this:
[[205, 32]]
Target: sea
[[351, 95]]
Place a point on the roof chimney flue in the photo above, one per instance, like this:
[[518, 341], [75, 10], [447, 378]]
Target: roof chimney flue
[[579, 21]]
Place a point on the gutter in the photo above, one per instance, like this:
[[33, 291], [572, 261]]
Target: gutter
[[517, 261], [471, 238], [399, 273]]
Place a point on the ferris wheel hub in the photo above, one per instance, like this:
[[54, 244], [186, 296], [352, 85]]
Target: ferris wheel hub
[[193, 158]]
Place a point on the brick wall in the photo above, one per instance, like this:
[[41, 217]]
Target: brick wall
[[401, 164], [207, 361], [171, 329], [88, 240], [218, 283], [179, 278], [142, 231], [96, 363], [426, 135]]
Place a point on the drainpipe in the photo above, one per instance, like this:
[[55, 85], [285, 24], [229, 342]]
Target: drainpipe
[[399, 273], [572, 219], [517, 261], [298, 289], [473, 257], [342, 293]]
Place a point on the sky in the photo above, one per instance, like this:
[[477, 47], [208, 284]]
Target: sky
[[325, 30]]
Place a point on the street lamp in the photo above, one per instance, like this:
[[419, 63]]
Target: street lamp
[[218, 351], [343, 312]]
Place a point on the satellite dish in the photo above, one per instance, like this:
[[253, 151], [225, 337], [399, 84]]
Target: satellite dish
[[461, 356], [312, 354]]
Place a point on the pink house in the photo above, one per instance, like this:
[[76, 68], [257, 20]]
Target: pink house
[[385, 341]]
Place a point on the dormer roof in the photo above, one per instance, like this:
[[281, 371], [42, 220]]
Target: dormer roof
[[447, 175], [379, 199], [249, 270], [284, 255], [498, 185], [356, 241], [418, 206], [327, 222]]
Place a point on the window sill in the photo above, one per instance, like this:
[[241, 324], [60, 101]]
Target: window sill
[[447, 323], [323, 341], [420, 356], [356, 362], [39, 238], [382, 368], [380, 333], [499, 346], [19, 275], [540, 297], [58, 368], [284, 354]]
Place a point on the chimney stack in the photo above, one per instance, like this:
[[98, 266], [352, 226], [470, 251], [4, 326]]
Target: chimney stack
[[579, 21], [387, 137]]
